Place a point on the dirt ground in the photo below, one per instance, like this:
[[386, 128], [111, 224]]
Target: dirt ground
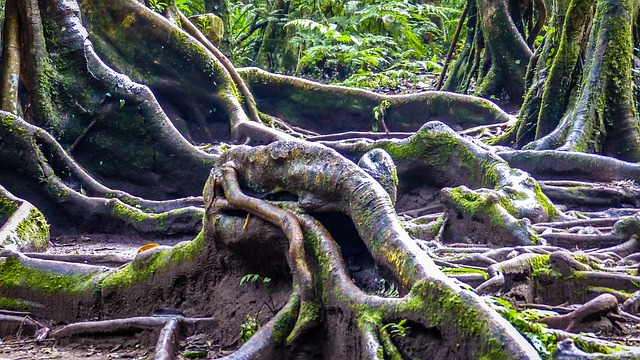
[[107, 348], [129, 347]]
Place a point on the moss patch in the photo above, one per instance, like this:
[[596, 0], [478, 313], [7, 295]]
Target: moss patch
[[13, 274], [444, 308], [34, 230], [13, 304], [453, 271], [144, 266]]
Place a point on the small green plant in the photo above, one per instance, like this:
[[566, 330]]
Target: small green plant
[[378, 116], [253, 278], [157, 5], [543, 340], [205, 23], [387, 289], [396, 329], [190, 7], [249, 327], [187, 7]]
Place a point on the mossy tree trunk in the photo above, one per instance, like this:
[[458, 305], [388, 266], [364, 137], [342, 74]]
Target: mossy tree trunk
[[114, 119], [580, 94], [498, 48]]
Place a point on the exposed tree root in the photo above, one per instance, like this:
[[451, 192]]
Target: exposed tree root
[[110, 326], [519, 265], [593, 194], [302, 103], [91, 259], [22, 225], [126, 208], [598, 307]]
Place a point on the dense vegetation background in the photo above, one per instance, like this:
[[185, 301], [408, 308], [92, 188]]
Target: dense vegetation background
[[369, 44]]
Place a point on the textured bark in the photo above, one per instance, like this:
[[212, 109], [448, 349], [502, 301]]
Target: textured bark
[[581, 94], [496, 53]]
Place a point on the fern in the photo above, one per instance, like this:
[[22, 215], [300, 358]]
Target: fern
[[348, 40]]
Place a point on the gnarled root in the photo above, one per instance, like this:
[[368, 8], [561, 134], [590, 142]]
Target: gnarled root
[[22, 225]]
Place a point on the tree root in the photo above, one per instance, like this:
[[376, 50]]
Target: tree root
[[352, 109], [167, 345], [568, 350], [585, 194], [246, 94], [598, 307], [19, 325], [91, 259], [22, 225], [617, 238], [111, 326], [520, 265], [169, 329], [38, 169], [281, 218], [348, 183], [573, 165], [134, 116], [462, 162]]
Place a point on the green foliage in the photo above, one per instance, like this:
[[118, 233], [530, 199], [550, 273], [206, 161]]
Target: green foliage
[[387, 289], [396, 329], [187, 7], [245, 19], [157, 5], [378, 114], [2, 5], [543, 340], [359, 37], [249, 327], [252, 278], [364, 43], [190, 7]]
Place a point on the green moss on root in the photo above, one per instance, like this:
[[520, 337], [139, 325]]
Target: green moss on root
[[546, 204], [442, 307], [34, 231], [7, 207], [13, 304], [453, 271], [13, 275], [146, 266]]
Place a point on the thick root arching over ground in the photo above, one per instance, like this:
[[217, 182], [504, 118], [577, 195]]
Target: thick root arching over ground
[[314, 237]]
